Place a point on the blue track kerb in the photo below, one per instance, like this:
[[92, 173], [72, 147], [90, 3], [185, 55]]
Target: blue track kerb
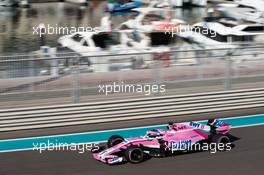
[[99, 136]]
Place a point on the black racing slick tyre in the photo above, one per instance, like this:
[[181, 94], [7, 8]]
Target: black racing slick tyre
[[221, 139], [114, 140], [134, 154], [163, 148]]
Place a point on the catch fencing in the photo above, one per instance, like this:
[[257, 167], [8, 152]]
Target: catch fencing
[[68, 77]]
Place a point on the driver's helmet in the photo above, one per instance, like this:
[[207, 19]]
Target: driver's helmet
[[154, 133], [171, 126]]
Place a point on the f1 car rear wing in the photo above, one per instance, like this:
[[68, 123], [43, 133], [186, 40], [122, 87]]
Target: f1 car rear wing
[[218, 126]]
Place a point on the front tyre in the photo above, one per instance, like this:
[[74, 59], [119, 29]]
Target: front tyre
[[114, 140], [134, 154]]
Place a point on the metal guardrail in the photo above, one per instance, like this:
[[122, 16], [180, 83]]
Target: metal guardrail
[[135, 109], [134, 52]]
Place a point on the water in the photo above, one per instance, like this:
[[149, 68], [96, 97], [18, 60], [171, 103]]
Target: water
[[16, 25]]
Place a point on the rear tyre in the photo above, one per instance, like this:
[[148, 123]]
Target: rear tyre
[[114, 140], [163, 147], [221, 139], [134, 154]]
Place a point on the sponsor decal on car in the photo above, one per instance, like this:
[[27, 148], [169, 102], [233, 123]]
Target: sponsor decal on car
[[218, 123], [181, 145], [197, 125]]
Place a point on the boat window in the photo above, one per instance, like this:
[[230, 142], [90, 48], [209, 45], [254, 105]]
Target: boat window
[[133, 16], [247, 7], [254, 29], [210, 34], [77, 37], [228, 23], [104, 40], [85, 43], [245, 38], [221, 38], [154, 17], [150, 18], [161, 38]]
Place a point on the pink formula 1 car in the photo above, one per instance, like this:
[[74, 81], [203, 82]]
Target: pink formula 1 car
[[160, 143]]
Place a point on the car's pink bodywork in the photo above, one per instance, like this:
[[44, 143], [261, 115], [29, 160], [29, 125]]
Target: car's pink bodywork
[[192, 132]]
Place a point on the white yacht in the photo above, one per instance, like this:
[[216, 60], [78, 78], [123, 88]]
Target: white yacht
[[256, 4], [99, 43], [241, 13], [217, 30], [224, 37]]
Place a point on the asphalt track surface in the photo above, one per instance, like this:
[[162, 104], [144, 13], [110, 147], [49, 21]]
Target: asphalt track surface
[[246, 157]]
